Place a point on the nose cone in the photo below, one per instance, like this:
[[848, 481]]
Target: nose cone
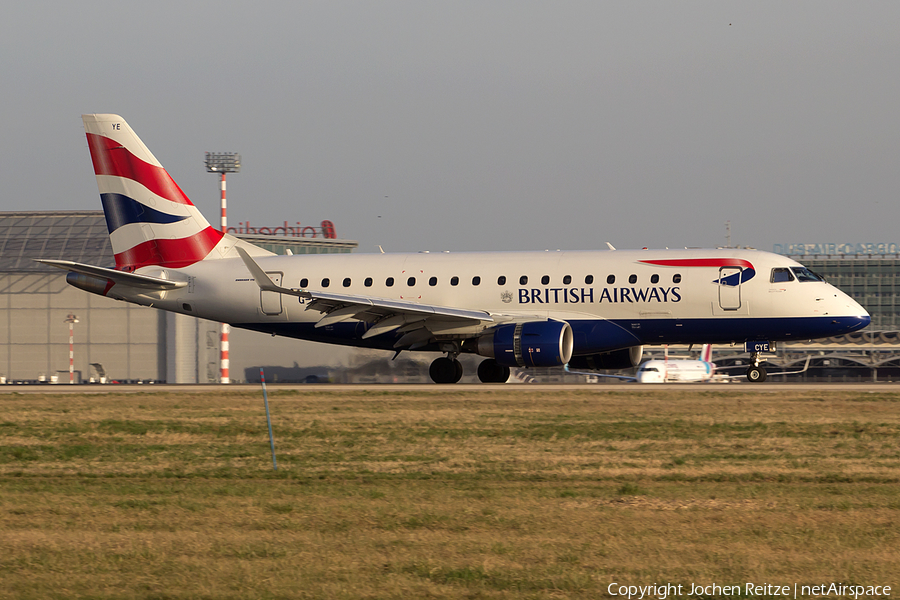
[[857, 323], [862, 321], [852, 316], [649, 377]]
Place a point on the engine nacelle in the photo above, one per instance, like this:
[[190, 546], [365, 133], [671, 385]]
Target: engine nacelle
[[617, 359], [530, 344]]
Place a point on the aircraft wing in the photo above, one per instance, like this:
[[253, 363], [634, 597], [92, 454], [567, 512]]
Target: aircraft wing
[[717, 376], [595, 374], [419, 323], [130, 279]]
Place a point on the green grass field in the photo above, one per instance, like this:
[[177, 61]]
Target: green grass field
[[512, 493]]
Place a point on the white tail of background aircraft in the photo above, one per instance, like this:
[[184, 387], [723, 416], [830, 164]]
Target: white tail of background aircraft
[[587, 309]]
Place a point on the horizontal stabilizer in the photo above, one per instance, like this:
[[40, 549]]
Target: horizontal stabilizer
[[129, 279]]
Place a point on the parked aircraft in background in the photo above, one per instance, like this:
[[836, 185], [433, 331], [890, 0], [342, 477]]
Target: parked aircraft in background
[[677, 370], [587, 309]]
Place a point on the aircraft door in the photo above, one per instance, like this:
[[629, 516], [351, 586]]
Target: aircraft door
[[730, 288], [270, 302]]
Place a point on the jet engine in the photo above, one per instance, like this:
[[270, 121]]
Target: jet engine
[[617, 359], [529, 344]]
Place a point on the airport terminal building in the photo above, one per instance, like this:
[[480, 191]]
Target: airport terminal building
[[120, 340]]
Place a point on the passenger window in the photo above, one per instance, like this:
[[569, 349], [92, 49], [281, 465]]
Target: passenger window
[[632, 278], [476, 280], [432, 282], [676, 278], [389, 281], [545, 280], [501, 280], [523, 280], [368, 282], [454, 280], [654, 278], [567, 280], [346, 282], [326, 282], [589, 279], [411, 281], [781, 275], [304, 282], [610, 279]]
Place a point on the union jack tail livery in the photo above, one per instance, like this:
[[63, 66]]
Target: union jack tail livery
[[151, 221]]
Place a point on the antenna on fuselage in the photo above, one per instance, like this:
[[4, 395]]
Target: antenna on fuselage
[[610, 246]]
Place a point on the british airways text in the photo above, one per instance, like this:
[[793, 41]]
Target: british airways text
[[588, 295]]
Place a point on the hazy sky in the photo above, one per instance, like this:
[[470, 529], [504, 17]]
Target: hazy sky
[[477, 125]]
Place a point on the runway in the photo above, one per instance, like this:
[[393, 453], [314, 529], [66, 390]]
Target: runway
[[736, 388]]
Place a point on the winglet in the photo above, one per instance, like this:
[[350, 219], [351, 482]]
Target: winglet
[[262, 280]]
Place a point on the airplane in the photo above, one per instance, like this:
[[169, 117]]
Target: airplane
[[669, 369], [678, 369], [585, 309], [681, 370]]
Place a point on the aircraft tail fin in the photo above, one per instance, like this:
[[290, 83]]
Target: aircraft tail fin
[[706, 353], [150, 220]]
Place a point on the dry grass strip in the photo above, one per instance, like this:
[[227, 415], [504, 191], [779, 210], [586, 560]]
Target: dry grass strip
[[513, 493]]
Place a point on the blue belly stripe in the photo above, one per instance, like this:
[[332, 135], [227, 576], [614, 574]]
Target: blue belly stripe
[[598, 335]]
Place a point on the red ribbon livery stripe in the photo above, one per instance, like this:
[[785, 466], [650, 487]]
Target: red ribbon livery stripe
[[112, 158]]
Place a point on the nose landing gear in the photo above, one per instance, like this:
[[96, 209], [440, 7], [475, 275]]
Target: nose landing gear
[[756, 373]]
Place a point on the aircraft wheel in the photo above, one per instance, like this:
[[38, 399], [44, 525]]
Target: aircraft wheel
[[490, 372], [458, 373], [445, 370], [756, 374]]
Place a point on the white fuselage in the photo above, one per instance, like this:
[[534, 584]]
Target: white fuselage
[[612, 299], [664, 371]]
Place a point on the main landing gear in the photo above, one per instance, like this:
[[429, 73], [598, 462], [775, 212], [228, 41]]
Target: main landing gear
[[490, 372], [446, 369], [756, 373]]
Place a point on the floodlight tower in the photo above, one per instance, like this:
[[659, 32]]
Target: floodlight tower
[[71, 320], [222, 163]]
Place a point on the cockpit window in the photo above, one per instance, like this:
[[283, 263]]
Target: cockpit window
[[804, 274], [781, 274], [650, 370]]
